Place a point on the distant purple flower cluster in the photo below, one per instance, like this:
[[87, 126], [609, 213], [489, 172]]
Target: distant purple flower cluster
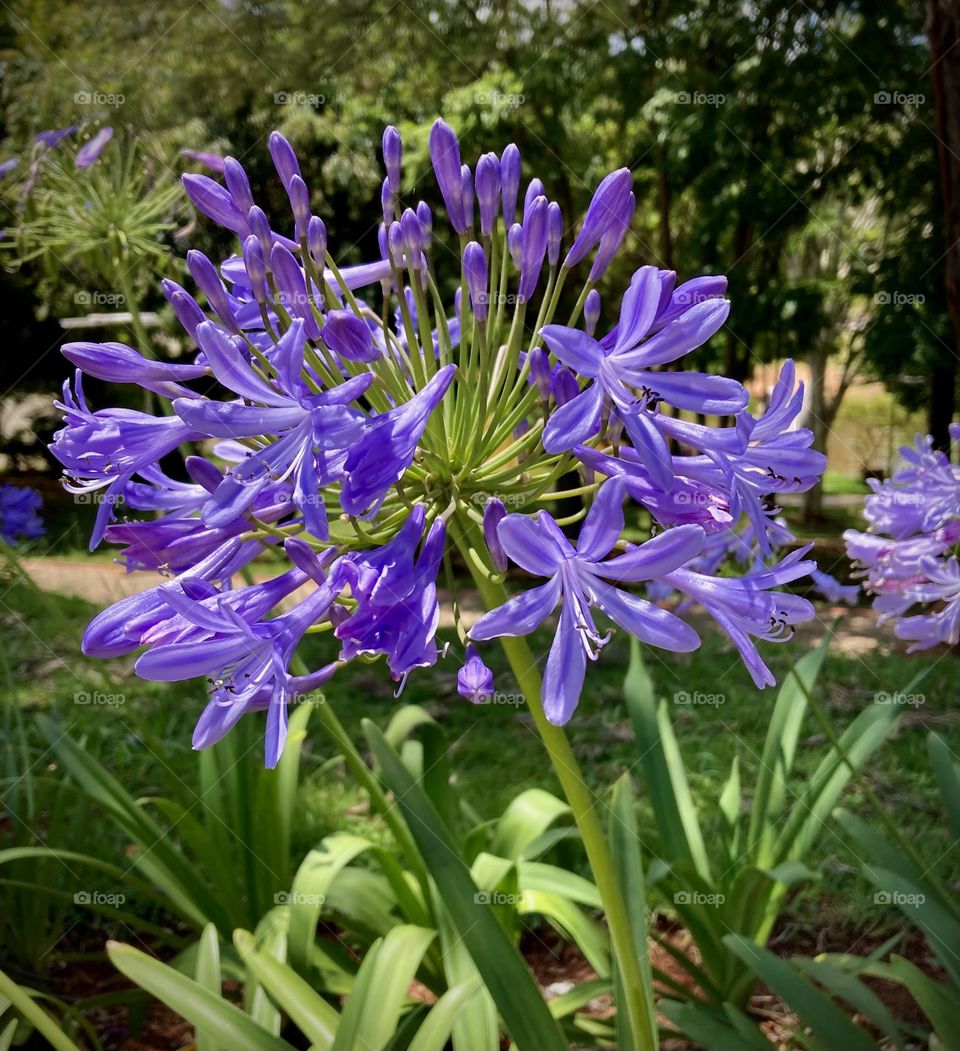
[[20, 514], [908, 556], [348, 421]]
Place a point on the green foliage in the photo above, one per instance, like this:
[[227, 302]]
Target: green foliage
[[740, 887]]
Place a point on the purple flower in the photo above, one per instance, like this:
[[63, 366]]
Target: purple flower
[[445, 156], [475, 270], [244, 658], [474, 679], [746, 608], [623, 378], [313, 431], [509, 182], [91, 150], [494, 513], [103, 450], [581, 579], [488, 191], [386, 449], [7, 166], [20, 514], [606, 208], [53, 136], [832, 590], [392, 155], [211, 161]]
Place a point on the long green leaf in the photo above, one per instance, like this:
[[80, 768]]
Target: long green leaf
[[373, 1009], [666, 782], [208, 976], [938, 1002], [194, 1003], [779, 749], [504, 972], [316, 1019], [436, 1028], [35, 1015]]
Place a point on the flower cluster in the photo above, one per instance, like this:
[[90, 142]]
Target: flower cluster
[[20, 514], [345, 419], [908, 556]]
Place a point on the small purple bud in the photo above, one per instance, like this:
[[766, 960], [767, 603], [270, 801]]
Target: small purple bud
[[187, 309], [554, 232], [591, 311], [260, 228], [293, 288], [284, 159], [91, 150], [488, 191], [383, 241], [564, 386], [387, 203], [210, 198], [534, 190], [612, 238], [412, 233], [510, 182], [466, 194], [474, 679], [300, 205], [392, 154], [515, 244], [202, 271], [475, 272], [211, 161], [534, 246], [238, 184], [605, 207], [317, 241], [426, 224], [256, 267], [445, 155], [349, 336], [395, 242], [540, 371], [493, 514], [458, 304]]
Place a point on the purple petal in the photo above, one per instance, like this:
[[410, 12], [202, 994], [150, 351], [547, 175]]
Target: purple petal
[[691, 330], [574, 422], [524, 541], [661, 554], [574, 348], [564, 674], [604, 522], [644, 620], [639, 307], [519, 615]]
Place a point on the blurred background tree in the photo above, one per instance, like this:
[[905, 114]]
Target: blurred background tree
[[792, 147]]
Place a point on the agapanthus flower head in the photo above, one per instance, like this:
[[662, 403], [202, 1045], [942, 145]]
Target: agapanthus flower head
[[908, 559], [20, 514], [347, 419]]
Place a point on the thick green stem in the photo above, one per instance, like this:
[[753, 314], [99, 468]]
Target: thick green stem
[[582, 803]]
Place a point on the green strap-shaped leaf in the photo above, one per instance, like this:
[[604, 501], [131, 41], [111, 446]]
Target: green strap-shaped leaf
[[24, 1003], [436, 1028], [779, 749], [316, 1019], [528, 1020], [829, 1023], [938, 1002], [373, 1009], [624, 837], [947, 774], [666, 782], [207, 974], [710, 1028], [527, 817], [191, 1001]]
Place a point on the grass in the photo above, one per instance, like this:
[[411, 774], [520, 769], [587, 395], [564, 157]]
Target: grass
[[144, 734]]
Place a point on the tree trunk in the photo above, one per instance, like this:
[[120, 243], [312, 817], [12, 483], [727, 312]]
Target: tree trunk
[[943, 31]]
